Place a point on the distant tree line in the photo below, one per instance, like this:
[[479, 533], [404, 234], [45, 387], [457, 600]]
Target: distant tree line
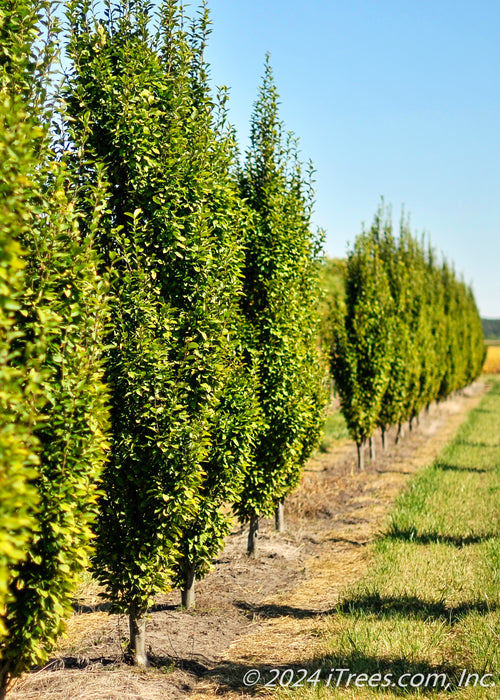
[[163, 338], [491, 328]]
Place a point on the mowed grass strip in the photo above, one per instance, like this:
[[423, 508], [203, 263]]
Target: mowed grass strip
[[430, 605]]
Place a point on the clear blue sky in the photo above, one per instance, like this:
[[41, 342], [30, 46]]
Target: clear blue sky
[[393, 98]]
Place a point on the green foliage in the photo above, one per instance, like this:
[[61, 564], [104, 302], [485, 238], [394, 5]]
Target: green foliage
[[281, 307], [411, 332], [332, 300], [53, 330], [363, 344], [62, 317], [18, 497], [140, 108]]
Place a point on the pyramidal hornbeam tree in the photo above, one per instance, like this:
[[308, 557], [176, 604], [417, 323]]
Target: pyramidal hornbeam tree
[[394, 403], [139, 107], [280, 305], [18, 496], [56, 329], [364, 340], [236, 415]]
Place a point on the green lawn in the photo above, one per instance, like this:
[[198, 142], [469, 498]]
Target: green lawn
[[429, 606]]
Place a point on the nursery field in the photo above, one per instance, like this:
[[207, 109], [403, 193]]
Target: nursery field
[[492, 363], [425, 618], [395, 588], [170, 337]]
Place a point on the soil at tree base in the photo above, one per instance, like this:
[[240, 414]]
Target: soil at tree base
[[252, 611]]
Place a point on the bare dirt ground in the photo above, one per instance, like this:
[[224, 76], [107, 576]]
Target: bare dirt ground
[[251, 611]]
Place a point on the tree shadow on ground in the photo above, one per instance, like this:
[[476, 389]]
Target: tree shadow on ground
[[477, 443], [457, 468], [106, 607], [272, 611], [86, 609], [411, 535], [73, 663], [374, 604], [198, 664], [411, 606], [397, 675], [346, 540], [395, 471]]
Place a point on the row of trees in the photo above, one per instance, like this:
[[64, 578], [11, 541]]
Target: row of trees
[[409, 332], [159, 328], [158, 316]]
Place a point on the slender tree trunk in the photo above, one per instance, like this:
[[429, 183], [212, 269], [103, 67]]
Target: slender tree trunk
[[418, 418], [137, 647], [428, 408], [400, 434], [5, 678], [253, 535], [188, 593], [371, 444], [410, 423], [383, 433], [279, 516], [361, 456]]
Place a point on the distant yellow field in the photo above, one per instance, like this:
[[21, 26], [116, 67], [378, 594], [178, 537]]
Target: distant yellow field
[[492, 364]]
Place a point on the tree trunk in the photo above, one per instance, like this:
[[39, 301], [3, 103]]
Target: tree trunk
[[361, 457], [5, 678], [371, 444], [137, 647], [383, 433], [253, 534], [187, 593], [400, 434], [279, 516], [410, 423], [418, 418], [428, 408]]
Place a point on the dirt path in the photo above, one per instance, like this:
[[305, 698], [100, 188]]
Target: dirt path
[[252, 612]]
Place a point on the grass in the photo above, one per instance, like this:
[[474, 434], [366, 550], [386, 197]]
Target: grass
[[335, 429], [430, 604]]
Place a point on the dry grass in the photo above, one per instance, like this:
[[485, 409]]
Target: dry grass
[[297, 631], [429, 602], [95, 683], [289, 627], [492, 364]]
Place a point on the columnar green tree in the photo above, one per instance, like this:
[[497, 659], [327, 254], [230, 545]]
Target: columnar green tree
[[58, 327], [62, 318], [236, 415], [18, 497], [393, 408], [364, 342], [281, 308], [140, 108]]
